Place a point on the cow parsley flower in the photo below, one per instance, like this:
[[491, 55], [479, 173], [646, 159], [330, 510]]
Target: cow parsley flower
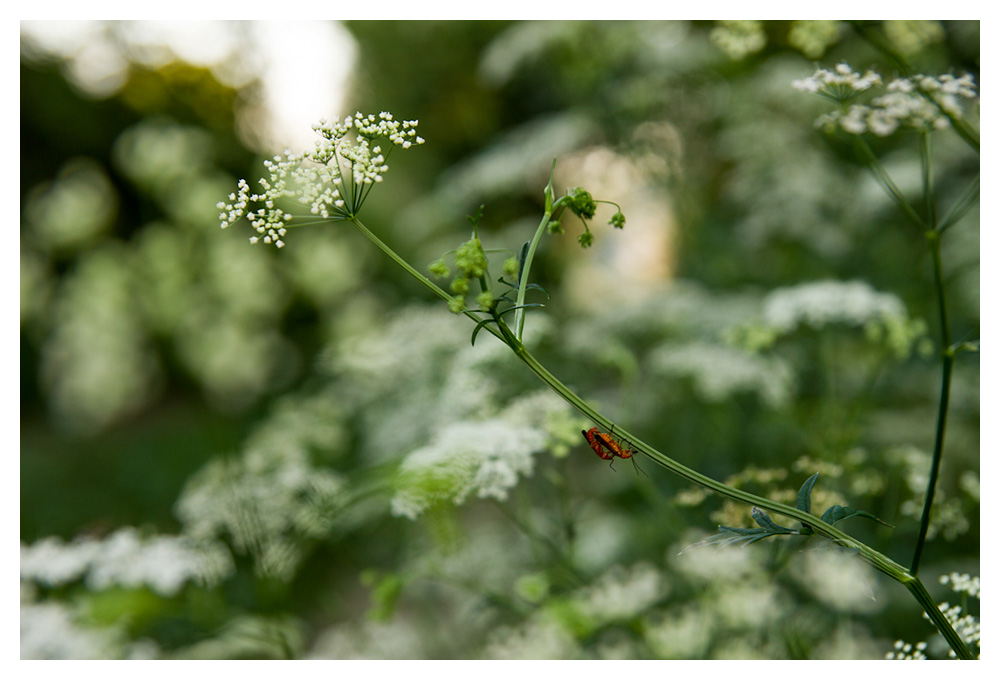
[[917, 102], [484, 457], [316, 178], [841, 84], [163, 564]]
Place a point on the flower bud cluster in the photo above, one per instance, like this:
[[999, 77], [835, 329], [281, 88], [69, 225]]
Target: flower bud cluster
[[316, 178]]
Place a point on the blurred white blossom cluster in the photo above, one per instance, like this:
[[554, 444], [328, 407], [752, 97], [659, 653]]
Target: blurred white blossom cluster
[[316, 178], [53, 631], [821, 303], [125, 559], [918, 102], [273, 495], [617, 596], [484, 458], [739, 37], [267, 503], [818, 304], [949, 518], [718, 372]]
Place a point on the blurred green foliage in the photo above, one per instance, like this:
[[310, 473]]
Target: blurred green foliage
[[266, 406]]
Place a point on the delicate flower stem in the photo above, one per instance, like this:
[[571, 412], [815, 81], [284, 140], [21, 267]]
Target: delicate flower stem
[[947, 362], [886, 181], [433, 287], [522, 286], [960, 206]]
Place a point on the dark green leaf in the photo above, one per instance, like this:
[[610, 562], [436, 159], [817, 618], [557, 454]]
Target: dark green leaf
[[805, 494], [535, 286], [837, 513], [479, 327], [767, 523]]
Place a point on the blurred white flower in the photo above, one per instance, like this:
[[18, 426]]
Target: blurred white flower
[[718, 372], [738, 38], [537, 638], [824, 302], [840, 581], [484, 457], [621, 593], [126, 559], [49, 631]]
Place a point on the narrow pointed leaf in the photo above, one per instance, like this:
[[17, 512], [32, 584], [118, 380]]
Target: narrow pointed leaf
[[535, 286], [804, 502], [838, 513], [479, 327]]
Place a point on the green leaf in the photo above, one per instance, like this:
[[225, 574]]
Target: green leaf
[[767, 523], [521, 257], [549, 193], [535, 286], [837, 513], [479, 327], [478, 216], [804, 502]]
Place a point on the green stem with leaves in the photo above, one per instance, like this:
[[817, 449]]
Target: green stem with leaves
[[878, 560]]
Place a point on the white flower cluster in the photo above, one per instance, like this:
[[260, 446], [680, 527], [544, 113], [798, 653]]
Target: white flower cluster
[[161, 563], [315, 178], [540, 637], [812, 38], [485, 457], [840, 84], [824, 302], [962, 583], [739, 37], [904, 651], [269, 507], [49, 631], [718, 372], [918, 102], [621, 594]]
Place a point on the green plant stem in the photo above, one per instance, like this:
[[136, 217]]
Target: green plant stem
[[430, 285], [881, 562], [960, 206], [937, 617], [522, 285], [871, 160], [947, 362]]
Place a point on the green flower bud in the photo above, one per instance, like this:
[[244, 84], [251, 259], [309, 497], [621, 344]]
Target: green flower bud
[[460, 285], [439, 269], [470, 258], [582, 203], [586, 239], [457, 304], [484, 299], [510, 266], [555, 227], [617, 220]]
